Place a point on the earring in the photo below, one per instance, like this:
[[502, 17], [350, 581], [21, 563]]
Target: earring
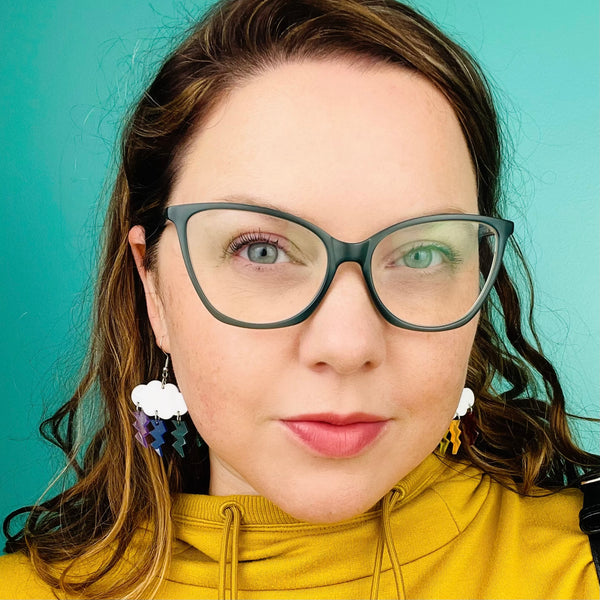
[[464, 409], [155, 402]]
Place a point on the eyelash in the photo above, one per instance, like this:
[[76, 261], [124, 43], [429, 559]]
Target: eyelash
[[452, 256], [246, 239]]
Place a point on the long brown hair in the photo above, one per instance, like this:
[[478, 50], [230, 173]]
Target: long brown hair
[[524, 438]]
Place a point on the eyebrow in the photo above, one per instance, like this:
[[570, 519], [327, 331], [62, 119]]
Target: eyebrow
[[258, 201], [261, 202], [249, 199]]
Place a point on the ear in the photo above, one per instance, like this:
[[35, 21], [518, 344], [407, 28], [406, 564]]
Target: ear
[[154, 305]]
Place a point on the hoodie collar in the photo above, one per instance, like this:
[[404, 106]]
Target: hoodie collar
[[415, 518]]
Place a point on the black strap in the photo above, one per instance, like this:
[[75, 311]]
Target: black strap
[[589, 516]]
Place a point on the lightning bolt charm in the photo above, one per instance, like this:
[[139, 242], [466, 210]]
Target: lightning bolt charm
[[140, 423], [455, 435], [157, 433], [179, 435], [445, 442]]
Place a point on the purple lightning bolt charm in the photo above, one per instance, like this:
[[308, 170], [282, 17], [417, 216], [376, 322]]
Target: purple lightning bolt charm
[[141, 423]]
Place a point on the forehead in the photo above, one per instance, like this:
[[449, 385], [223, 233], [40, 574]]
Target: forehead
[[348, 146]]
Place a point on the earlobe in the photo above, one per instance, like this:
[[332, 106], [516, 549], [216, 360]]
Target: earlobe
[[154, 305]]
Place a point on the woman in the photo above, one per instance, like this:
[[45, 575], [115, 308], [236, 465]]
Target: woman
[[305, 236]]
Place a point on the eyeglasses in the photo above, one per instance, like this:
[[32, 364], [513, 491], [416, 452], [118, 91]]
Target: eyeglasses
[[261, 268]]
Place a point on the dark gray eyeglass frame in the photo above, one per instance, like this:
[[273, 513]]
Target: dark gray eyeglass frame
[[338, 252]]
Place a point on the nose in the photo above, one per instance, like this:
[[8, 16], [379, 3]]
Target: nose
[[346, 333]]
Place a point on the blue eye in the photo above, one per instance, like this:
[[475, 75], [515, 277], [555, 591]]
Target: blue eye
[[258, 249], [263, 253], [423, 257]]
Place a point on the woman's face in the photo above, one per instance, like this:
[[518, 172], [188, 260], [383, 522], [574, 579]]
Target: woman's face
[[353, 149]]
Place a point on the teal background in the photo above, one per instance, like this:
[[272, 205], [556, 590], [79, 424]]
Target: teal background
[[70, 68]]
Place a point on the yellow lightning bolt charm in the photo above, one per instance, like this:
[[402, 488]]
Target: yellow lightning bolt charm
[[444, 444], [455, 435]]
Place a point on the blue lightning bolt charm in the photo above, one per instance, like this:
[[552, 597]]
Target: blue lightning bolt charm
[[157, 433]]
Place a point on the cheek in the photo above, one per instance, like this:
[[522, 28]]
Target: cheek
[[431, 373], [202, 348], [434, 371], [222, 370]]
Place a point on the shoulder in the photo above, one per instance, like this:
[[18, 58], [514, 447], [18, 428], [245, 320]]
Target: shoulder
[[506, 534], [463, 485], [18, 579]]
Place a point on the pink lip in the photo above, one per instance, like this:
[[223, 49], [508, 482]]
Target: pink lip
[[337, 436]]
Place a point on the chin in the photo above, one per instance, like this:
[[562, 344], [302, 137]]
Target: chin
[[331, 505]]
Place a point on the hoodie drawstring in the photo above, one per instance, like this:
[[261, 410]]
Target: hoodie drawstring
[[232, 513], [387, 539]]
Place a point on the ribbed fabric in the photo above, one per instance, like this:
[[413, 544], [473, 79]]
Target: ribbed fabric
[[448, 531]]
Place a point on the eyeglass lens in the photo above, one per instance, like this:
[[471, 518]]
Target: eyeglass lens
[[259, 268]]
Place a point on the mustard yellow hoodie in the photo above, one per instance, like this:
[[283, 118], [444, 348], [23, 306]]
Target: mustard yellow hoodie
[[445, 531]]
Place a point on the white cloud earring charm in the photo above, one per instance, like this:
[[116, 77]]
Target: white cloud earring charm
[[465, 404], [156, 401]]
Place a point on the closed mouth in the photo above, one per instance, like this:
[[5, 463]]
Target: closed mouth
[[336, 436]]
